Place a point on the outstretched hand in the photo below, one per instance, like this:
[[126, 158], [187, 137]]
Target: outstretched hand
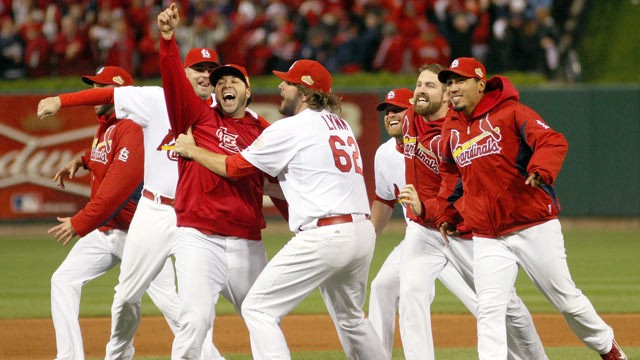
[[168, 21], [64, 231], [48, 106], [70, 169]]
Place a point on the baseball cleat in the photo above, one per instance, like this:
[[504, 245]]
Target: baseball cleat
[[615, 353]]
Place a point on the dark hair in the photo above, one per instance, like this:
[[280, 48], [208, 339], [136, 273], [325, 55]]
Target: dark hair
[[317, 100]]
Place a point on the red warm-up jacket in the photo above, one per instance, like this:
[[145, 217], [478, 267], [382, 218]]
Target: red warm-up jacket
[[115, 162], [490, 154], [210, 203]]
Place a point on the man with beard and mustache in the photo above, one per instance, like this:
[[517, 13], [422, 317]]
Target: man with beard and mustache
[[506, 157], [219, 220], [425, 253], [115, 162], [314, 155], [151, 237], [390, 178]]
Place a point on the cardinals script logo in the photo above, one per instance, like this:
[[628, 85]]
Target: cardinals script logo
[[430, 156], [100, 150], [482, 145]]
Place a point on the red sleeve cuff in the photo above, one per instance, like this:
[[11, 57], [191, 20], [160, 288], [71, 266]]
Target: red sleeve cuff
[[237, 166], [96, 96]]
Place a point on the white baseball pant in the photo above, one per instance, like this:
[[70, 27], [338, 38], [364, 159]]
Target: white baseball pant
[[540, 251], [423, 258], [385, 290], [92, 256], [146, 256], [334, 258], [207, 266]]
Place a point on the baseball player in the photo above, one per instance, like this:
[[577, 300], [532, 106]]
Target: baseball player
[[425, 253], [115, 162], [219, 220], [314, 154], [151, 237], [507, 158], [390, 178]]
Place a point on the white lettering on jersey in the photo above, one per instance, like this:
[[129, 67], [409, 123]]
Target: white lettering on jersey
[[227, 140], [541, 123], [100, 150], [124, 155], [482, 145], [430, 157]]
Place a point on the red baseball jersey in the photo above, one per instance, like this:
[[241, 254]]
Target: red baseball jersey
[[493, 151], [210, 203], [421, 145], [116, 161]]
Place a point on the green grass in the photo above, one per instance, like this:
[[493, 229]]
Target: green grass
[[603, 264]]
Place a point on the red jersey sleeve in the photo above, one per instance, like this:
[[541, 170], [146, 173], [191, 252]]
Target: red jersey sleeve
[[124, 175], [95, 96], [548, 146], [183, 105], [238, 167]]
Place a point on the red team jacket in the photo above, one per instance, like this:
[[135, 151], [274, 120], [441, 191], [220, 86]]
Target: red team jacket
[[210, 203], [115, 161], [493, 151], [421, 146]]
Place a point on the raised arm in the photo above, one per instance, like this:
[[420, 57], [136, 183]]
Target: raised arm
[[183, 105]]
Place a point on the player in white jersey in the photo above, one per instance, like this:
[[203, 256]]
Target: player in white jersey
[[315, 156], [389, 179], [151, 237]]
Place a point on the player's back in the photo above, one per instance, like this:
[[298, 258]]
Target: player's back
[[320, 164]]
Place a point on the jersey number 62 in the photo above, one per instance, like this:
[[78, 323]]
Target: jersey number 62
[[341, 158]]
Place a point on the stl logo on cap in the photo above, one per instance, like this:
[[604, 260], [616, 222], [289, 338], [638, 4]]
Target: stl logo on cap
[[205, 54], [391, 95], [455, 64]]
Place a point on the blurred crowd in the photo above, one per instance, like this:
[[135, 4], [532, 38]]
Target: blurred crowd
[[41, 38]]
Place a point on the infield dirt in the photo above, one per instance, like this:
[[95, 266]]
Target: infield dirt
[[22, 339]]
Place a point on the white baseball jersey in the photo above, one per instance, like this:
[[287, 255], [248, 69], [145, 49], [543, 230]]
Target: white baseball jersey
[[315, 157], [389, 172], [146, 107]]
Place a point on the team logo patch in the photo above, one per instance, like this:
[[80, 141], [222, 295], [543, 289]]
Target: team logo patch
[[391, 95], [307, 80], [486, 143], [117, 79], [479, 72], [228, 140], [100, 150], [205, 54], [124, 155], [168, 144]]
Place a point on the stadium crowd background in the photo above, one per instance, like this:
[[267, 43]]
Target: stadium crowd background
[[40, 38]]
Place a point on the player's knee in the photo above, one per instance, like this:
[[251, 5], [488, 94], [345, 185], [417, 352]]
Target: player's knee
[[380, 285]]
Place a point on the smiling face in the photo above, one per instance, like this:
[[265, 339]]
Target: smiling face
[[393, 121], [198, 75], [465, 93], [429, 96], [231, 95]]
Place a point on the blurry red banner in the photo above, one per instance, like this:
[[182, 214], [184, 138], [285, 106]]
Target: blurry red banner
[[32, 150]]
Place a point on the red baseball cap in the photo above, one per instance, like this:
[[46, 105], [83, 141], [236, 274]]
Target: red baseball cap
[[464, 66], [308, 73], [229, 69], [200, 55], [109, 75], [396, 97]]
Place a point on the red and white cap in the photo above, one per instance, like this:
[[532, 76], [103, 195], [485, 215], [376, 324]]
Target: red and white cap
[[308, 73], [396, 97], [200, 55], [465, 66], [109, 75]]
